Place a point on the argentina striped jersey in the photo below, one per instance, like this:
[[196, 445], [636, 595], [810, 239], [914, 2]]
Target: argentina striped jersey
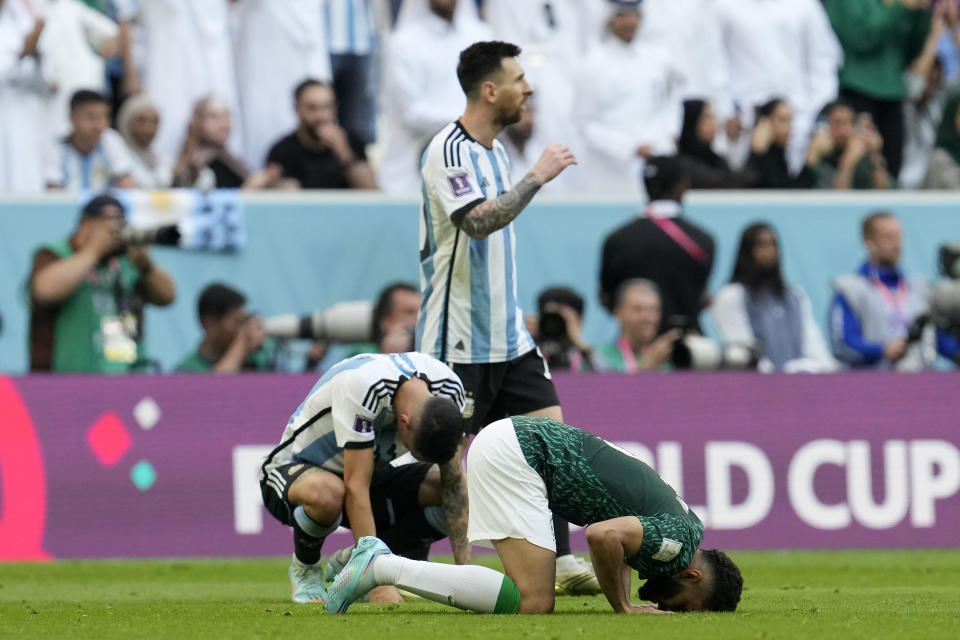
[[470, 311], [351, 407]]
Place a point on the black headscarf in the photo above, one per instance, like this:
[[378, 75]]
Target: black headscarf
[[690, 143]]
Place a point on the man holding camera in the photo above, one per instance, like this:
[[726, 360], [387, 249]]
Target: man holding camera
[[638, 347], [87, 295], [876, 319], [233, 339]]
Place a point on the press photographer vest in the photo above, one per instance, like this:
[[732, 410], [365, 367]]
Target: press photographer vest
[[879, 322], [108, 293]]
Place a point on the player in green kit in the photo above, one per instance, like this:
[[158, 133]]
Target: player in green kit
[[520, 471]]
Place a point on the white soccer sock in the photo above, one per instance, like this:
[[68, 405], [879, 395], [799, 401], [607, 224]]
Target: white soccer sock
[[462, 586]]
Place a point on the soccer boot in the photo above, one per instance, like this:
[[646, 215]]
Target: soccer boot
[[575, 577], [335, 564], [356, 579], [307, 582]]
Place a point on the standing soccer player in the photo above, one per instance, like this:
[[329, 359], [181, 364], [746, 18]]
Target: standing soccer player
[[470, 316]]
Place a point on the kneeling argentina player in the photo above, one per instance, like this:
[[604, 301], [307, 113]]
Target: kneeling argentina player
[[521, 470], [333, 464]]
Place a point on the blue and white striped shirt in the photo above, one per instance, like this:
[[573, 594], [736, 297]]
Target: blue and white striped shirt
[[351, 407], [349, 26], [470, 311]]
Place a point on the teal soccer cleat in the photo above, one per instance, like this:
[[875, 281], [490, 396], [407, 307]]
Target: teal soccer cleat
[[356, 579], [307, 582]]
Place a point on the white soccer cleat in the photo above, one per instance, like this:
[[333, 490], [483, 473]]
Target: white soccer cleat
[[306, 581], [575, 577]]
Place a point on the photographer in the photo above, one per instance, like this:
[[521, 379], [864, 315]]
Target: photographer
[[558, 331], [638, 347], [233, 339], [87, 295], [873, 318]]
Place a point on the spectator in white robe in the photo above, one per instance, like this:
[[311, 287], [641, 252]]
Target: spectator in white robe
[[25, 142], [775, 49], [421, 93], [552, 36], [137, 122], [188, 55], [277, 46], [628, 106], [75, 44]]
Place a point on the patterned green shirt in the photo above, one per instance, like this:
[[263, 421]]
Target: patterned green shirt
[[590, 480]]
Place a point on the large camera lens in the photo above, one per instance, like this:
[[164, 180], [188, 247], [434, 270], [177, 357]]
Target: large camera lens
[[552, 326]]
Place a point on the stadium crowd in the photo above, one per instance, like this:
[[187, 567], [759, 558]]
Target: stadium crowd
[[654, 97], [211, 93]]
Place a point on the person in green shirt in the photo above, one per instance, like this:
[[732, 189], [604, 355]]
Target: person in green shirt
[[87, 294], [638, 347], [233, 339], [880, 39], [848, 153], [522, 469]]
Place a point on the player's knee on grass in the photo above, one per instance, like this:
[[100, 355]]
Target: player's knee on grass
[[537, 602]]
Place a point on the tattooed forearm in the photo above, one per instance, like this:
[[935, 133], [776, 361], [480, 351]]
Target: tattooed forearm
[[456, 512], [489, 216]]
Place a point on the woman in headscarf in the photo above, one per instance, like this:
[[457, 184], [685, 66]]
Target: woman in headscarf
[[205, 163], [943, 171], [768, 150], [706, 168], [759, 310], [138, 122]]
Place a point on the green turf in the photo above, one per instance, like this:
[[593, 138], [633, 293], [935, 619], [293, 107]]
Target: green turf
[[902, 594]]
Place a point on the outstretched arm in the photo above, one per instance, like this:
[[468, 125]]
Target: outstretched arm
[[456, 511], [492, 215], [610, 542]]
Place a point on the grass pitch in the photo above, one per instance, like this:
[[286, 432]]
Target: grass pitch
[[864, 594]]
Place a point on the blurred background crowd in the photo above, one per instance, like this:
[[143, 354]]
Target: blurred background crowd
[[336, 94], [655, 98]]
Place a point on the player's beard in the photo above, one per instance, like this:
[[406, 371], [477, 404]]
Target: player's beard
[[504, 117], [659, 589]]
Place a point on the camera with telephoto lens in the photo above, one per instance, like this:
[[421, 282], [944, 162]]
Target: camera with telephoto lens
[[343, 322], [165, 236], [693, 351]]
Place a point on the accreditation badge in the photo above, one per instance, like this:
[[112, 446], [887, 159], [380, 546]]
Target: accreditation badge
[[118, 342]]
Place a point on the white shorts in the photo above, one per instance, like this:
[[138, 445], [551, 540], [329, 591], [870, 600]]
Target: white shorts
[[508, 499]]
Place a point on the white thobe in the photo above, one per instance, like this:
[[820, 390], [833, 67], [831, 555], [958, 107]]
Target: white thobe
[[553, 40], [421, 93], [778, 49], [25, 146], [69, 45], [188, 56], [277, 45], [628, 95], [689, 29]]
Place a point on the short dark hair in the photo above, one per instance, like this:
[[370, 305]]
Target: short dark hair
[[440, 431], [85, 96], [866, 227], [767, 108], [727, 582], [384, 305], [94, 208], [217, 300], [561, 295], [481, 60], [306, 84], [839, 103], [664, 177]]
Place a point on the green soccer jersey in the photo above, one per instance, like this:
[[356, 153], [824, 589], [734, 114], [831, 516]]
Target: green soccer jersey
[[590, 480]]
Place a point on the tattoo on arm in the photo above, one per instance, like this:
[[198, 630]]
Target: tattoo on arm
[[453, 497], [489, 216]]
